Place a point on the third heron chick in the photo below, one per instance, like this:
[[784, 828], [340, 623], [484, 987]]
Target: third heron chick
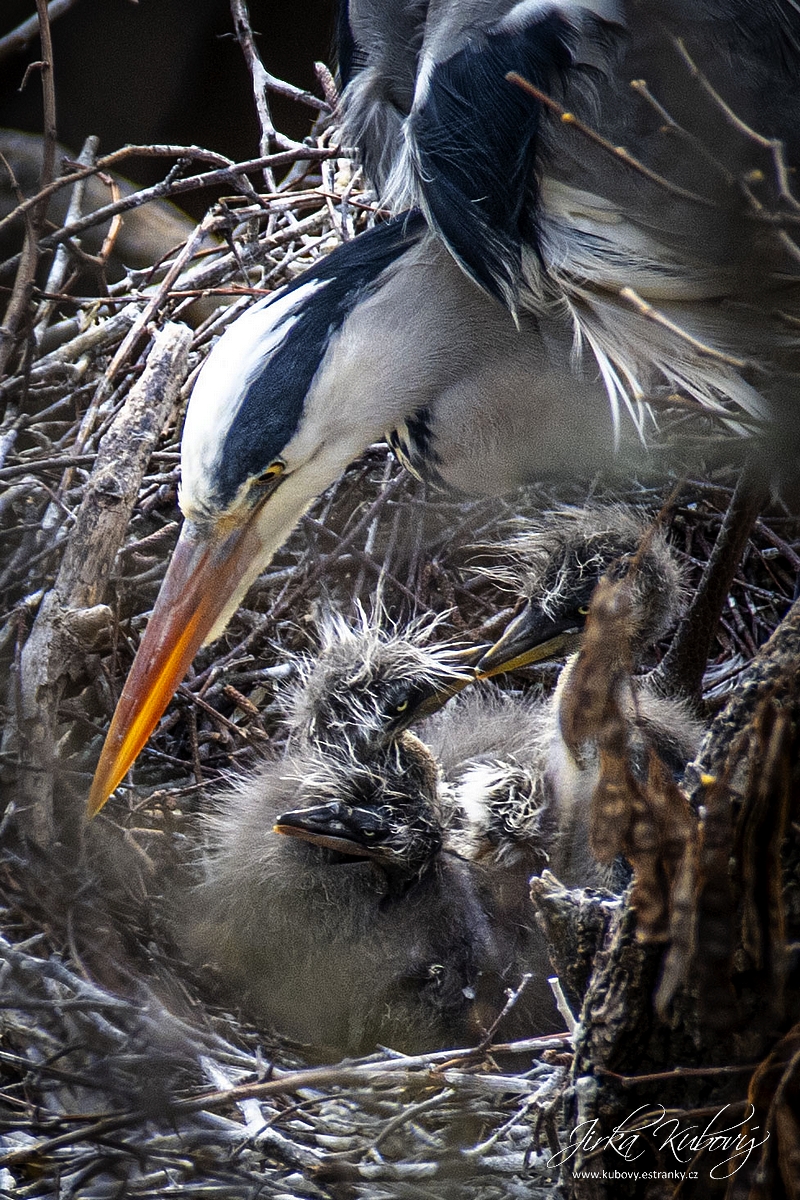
[[557, 562]]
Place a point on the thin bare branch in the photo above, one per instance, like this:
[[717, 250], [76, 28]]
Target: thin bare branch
[[16, 41]]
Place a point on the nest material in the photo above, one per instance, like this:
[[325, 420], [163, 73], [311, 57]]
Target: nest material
[[106, 1096]]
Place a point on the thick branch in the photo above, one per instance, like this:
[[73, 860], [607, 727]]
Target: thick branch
[[71, 617]]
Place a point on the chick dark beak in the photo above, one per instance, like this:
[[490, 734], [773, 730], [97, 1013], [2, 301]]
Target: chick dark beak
[[530, 637], [358, 832], [204, 581], [464, 660]]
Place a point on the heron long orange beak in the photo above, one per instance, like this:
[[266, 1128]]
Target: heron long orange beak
[[204, 583]]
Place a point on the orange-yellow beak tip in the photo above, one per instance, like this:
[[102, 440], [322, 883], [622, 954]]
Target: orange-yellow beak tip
[[203, 577]]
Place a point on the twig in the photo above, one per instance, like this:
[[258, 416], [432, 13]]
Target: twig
[[46, 464], [479, 1150], [697, 144], [511, 999], [561, 1003], [19, 304], [18, 38], [58, 270], [70, 613], [617, 152], [258, 75], [49, 98], [228, 174], [652, 314], [328, 85], [774, 145], [631, 1081], [262, 80], [401, 1069], [681, 670], [151, 308], [410, 1113]]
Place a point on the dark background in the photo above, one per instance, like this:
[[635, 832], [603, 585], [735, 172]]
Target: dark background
[[166, 71]]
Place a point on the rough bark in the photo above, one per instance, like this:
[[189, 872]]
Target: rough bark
[[72, 619]]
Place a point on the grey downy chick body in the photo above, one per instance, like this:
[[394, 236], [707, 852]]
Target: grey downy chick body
[[359, 927], [493, 753], [556, 563]]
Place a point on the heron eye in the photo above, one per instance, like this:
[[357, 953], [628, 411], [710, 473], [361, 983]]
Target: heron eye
[[272, 472]]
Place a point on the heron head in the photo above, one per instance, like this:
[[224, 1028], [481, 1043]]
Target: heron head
[[557, 562], [278, 411]]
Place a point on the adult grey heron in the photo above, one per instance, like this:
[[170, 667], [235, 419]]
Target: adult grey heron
[[542, 300]]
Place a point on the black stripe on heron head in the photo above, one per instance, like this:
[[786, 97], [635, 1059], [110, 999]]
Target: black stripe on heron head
[[272, 407], [475, 142]]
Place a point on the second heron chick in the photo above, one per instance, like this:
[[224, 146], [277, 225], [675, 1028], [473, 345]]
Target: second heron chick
[[555, 562], [371, 681]]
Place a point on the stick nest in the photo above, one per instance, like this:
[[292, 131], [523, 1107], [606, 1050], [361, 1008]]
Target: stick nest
[[120, 1076]]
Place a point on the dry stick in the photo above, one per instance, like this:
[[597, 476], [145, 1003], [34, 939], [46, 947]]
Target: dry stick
[[400, 1071], [16, 41], [49, 97], [258, 76], [58, 270], [410, 1112], [110, 160], [343, 544], [562, 1004], [631, 1081], [150, 309], [698, 146], [79, 443], [132, 336], [45, 464], [774, 145], [82, 1134], [63, 627], [19, 304], [405, 1069], [200, 276], [328, 85], [231, 173], [617, 152], [703, 349], [262, 81], [786, 240], [512, 997], [681, 670]]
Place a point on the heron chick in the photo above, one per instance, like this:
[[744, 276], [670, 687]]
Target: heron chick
[[556, 562], [331, 904]]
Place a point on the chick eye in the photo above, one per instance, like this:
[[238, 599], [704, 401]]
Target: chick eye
[[402, 706], [272, 472], [583, 611]]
